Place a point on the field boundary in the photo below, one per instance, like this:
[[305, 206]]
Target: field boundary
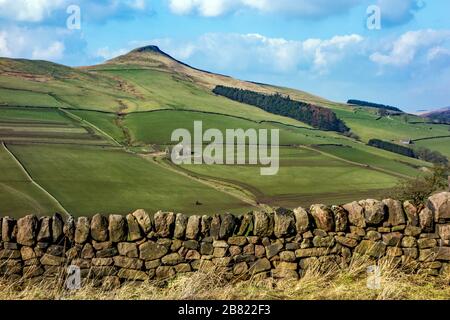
[[77, 118], [28, 175]]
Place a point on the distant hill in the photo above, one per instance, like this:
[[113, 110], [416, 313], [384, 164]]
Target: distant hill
[[440, 116]]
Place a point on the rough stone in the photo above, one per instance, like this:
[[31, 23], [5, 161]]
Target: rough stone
[[181, 221], [134, 230], [132, 275], [301, 220], [27, 230], [261, 265], [128, 249], [227, 226], [193, 227], [347, 242], [117, 228], [374, 211], [129, 263], [273, 249], [164, 224], [392, 239], [396, 216], [340, 218], [439, 204], [412, 214], [99, 228], [323, 217], [246, 226], [426, 243], [426, 220], [164, 272], [409, 242], [45, 233], [444, 231], [371, 248], [57, 228], [284, 223], [172, 259], [264, 224], [355, 214], [69, 229], [151, 251], [82, 230], [144, 220]]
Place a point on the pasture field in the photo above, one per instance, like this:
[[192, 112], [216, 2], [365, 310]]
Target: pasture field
[[369, 125], [439, 144], [18, 195], [88, 180], [303, 173]]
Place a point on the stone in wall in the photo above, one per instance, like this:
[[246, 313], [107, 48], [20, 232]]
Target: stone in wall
[[278, 244]]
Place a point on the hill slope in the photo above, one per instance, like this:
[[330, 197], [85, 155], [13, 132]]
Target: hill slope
[[94, 138]]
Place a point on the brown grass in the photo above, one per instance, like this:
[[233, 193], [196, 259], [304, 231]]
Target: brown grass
[[317, 283]]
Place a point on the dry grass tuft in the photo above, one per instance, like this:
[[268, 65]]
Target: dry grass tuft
[[317, 283]]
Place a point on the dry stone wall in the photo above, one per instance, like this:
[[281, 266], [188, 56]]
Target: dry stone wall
[[282, 243]]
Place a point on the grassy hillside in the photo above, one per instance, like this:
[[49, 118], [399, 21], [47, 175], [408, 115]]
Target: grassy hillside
[[87, 180], [92, 138]]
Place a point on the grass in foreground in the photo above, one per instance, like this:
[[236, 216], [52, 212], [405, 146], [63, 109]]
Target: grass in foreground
[[317, 283]]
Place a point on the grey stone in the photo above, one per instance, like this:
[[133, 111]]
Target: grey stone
[[340, 218], [273, 249], [263, 224], [82, 230], [355, 214], [323, 217], [45, 233], [284, 223], [27, 230], [128, 249], [396, 216], [164, 224], [374, 211], [301, 220], [117, 228], [151, 251], [99, 228], [193, 227], [144, 220], [439, 204], [426, 220], [412, 215], [227, 225], [57, 228], [134, 230], [246, 226], [181, 221]]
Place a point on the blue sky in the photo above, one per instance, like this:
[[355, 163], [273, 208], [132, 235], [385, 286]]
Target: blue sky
[[320, 46]]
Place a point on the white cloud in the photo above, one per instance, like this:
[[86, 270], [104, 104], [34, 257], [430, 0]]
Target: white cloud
[[255, 52], [106, 53], [4, 50], [36, 43], [29, 11], [405, 49], [54, 51], [40, 10], [299, 8]]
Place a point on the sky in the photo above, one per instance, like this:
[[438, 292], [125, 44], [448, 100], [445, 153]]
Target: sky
[[394, 52]]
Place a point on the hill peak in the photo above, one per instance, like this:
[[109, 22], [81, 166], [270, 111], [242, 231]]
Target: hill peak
[[150, 48]]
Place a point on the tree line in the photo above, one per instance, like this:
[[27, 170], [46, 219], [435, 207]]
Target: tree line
[[317, 117], [373, 105], [420, 153]]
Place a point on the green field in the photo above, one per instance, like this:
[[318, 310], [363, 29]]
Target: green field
[[303, 173], [18, 195], [89, 180], [94, 138]]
